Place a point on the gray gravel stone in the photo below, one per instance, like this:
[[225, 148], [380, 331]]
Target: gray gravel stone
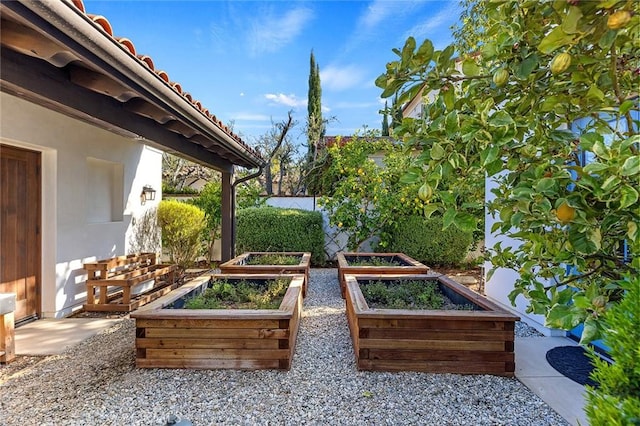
[[96, 383]]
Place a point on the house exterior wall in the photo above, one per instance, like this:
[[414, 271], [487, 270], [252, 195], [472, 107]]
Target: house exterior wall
[[72, 233]]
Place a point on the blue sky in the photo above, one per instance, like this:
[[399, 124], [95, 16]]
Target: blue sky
[[248, 61]]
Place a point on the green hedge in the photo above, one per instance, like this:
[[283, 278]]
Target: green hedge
[[276, 229], [424, 240]]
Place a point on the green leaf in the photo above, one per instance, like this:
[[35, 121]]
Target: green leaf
[[407, 51], [494, 167], [501, 118], [607, 39], [449, 98], [409, 178], [570, 21], [489, 154], [451, 124], [527, 66], [581, 242], [437, 151], [564, 317], [546, 184], [425, 51], [470, 68], [626, 106], [556, 39], [445, 57], [628, 196], [632, 230], [633, 140], [590, 332], [601, 150], [581, 301], [595, 167], [610, 183], [595, 93], [465, 222], [429, 209], [448, 218], [631, 166]]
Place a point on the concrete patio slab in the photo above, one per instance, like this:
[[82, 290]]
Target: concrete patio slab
[[53, 336], [564, 395]]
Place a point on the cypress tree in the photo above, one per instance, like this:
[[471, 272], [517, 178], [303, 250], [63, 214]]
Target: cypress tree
[[315, 124], [385, 121]]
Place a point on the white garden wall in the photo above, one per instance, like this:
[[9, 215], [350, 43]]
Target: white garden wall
[[335, 240]]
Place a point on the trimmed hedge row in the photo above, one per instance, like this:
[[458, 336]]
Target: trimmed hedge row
[[424, 240], [277, 229]]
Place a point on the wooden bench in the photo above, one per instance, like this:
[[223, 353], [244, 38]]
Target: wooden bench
[[111, 281], [7, 333]]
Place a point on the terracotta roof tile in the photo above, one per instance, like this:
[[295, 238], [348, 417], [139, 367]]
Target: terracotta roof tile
[[104, 24]]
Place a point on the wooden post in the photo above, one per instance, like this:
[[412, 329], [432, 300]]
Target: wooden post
[[7, 334], [228, 239]]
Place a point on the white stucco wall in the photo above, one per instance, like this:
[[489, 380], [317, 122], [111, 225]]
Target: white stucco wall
[[335, 240], [502, 282], [68, 237]]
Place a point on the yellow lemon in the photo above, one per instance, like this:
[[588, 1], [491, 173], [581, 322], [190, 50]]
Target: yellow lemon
[[565, 213]]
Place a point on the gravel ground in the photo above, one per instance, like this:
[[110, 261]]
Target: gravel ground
[[96, 383]]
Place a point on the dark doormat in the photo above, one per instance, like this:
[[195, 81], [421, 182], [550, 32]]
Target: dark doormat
[[572, 362]]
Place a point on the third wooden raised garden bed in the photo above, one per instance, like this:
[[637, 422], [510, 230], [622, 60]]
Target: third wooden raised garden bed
[[223, 333], [376, 263], [255, 262], [471, 335]]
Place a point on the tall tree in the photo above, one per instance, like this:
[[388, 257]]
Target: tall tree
[[554, 87], [271, 146], [315, 123], [385, 121]]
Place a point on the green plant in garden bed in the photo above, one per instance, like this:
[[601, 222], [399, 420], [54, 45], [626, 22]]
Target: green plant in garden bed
[[273, 259], [407, 294], [243, 294], [373, 261]]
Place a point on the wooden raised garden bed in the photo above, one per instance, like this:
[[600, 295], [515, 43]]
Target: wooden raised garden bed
[[376, 263], [476, 339], [168, 335], [254, 263]]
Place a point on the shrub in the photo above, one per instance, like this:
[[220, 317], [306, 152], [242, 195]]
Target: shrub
[[617, 400], [183, 226], [210, 201], [275, 229], [424, 240]]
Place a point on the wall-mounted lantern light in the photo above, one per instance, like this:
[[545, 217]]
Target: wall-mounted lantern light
[[148, 194]]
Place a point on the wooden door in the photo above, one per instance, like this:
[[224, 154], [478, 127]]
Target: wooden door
[[20, 251]]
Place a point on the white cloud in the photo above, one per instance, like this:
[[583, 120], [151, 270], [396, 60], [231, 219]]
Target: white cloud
[[341, 78], [270, 32], [440, 21], [288, 100], [377, 12]]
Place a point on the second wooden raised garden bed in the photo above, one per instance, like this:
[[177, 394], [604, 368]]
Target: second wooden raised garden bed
[[376, 263], [170, 336], [478, 339], [253, 262]]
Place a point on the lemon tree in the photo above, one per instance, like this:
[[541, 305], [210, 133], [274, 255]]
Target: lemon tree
[[543, 102]]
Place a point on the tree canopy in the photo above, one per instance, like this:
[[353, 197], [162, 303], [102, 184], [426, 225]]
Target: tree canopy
[[546, 107]]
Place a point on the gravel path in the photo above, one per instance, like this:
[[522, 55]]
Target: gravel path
[[96, 383]]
